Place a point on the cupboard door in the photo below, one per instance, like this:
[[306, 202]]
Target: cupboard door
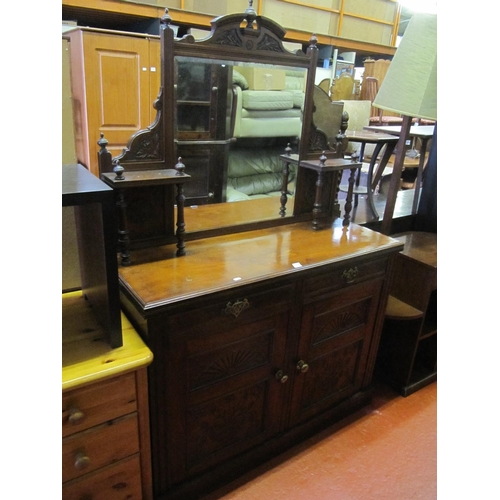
[[117, 80], [222, 395], [333, 349]]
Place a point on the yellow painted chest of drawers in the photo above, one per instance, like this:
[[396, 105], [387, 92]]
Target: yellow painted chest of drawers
[[105, 419]]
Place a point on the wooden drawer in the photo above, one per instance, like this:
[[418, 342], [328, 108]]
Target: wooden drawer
[[241, 306], [94, 404], [92, 449], [116, 482], [341, 276]]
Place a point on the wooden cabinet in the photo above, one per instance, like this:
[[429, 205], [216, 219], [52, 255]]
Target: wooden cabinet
[[202, 127], [277, 340], [408, 349], [115, 79], [105, 423]]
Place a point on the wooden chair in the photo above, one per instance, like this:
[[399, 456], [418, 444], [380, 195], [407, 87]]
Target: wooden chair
[[369, 92], [343, 88]]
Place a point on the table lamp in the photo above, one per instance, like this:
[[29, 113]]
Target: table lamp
[[409, 89]]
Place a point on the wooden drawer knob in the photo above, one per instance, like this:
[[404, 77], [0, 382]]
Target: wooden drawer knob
[[75, 416], [82, 461]]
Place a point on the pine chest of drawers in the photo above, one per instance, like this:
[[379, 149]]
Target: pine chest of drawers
[[105, 418]]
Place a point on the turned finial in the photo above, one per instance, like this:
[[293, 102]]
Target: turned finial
[[313, 41], [323, 158], [102, 142], [118, 170], [179, 167], [355, 156], [250, 14], [288, 150], [166, 19]]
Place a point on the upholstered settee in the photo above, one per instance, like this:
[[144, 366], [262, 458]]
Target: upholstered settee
[[256, 172], [268, 113]]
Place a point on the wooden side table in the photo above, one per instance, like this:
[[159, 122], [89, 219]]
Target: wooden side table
[[121, 181], [380, 140], [425, 133]]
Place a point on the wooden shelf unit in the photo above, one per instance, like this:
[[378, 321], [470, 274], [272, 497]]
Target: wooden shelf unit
[[407, 356]]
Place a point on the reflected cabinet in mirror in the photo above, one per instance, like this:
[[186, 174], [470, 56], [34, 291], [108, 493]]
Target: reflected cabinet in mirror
[[229, 105]]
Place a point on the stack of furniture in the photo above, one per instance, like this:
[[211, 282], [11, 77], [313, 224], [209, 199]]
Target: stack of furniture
[[105, 416]]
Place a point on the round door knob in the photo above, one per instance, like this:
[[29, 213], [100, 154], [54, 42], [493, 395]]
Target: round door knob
[[281, 377], [302, 366], [75, 416], [81, 461]]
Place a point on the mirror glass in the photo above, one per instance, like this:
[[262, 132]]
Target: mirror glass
[[232, 120]]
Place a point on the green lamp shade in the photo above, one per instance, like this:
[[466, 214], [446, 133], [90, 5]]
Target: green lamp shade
[[410, 85]]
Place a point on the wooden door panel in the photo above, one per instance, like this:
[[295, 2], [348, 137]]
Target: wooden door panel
[[334, 343], [117, 86], [227, 398]]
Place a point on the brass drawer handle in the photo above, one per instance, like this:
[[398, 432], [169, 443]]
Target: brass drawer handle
[[349, 275], [81, 461], [238, 307], [302, 366], [281, 377]]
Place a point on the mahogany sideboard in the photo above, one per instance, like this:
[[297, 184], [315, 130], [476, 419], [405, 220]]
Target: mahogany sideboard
[[260, 339]]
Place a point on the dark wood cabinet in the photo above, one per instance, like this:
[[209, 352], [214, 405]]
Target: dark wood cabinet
[[206, 163], [202, 127], [243, 371]]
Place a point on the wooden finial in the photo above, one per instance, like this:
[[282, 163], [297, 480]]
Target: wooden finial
[[179, 167], [118, 170], [250, 14], [323, 159], [166, 19]]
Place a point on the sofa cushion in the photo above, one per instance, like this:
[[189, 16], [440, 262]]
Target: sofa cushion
[[240, 80], [256, 171], [267, 99], [298, 98]]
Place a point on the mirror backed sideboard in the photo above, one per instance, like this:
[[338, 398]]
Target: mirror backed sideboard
[[263, 330]]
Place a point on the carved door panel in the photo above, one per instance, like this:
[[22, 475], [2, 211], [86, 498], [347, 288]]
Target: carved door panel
[[224, 396], [333, 350]]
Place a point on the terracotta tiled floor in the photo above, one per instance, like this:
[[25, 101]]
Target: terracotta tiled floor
[[386, 451]]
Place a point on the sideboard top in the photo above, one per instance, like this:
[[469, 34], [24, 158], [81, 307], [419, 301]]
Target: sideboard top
[[158, 278]]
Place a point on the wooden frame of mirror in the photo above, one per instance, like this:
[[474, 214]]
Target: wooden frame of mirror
[[235, 38]]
